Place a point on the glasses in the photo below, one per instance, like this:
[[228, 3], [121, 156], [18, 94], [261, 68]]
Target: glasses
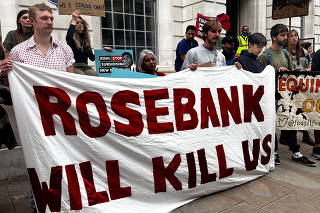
[[78, 22]]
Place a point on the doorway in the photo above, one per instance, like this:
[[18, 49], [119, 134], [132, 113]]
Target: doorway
[[232, 8]]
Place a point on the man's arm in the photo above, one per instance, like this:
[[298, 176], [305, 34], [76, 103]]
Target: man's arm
[[182, 50], [264, 60], [69, 57], [188, 60], [70, 69]]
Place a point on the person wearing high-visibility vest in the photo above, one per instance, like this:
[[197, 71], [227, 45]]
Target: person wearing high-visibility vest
[[243, 39]]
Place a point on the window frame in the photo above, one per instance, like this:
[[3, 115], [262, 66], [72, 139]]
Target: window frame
[[133, 46]]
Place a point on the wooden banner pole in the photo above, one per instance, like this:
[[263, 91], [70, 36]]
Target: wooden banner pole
[[289, 49]]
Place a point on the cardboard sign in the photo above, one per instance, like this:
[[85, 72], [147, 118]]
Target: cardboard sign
[[289, 8], [201, 20], [207, 64], [298, 103], [141, 145], [87, 7], [106, 60]]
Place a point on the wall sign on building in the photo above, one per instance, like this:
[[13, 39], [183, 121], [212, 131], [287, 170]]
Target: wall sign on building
[[289, 8], [201, 21]]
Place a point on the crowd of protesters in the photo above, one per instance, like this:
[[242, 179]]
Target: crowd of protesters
[[285, 54], [32, 40]]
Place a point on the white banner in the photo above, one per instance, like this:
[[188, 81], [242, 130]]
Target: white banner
[[140, 145], [298, 103]]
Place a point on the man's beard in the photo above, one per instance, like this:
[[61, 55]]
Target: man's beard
[[282, 43], [213, 40]]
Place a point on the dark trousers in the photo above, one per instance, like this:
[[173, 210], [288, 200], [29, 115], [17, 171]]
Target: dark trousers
[[317, 138], [289, 138], [276, 144]]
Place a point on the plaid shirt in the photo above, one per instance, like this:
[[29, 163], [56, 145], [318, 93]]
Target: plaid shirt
[[59, 56]]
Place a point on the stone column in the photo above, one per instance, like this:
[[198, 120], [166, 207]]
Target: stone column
[[165, 35], [253, 14]]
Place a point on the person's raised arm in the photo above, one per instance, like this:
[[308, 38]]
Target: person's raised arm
[[71, 29]]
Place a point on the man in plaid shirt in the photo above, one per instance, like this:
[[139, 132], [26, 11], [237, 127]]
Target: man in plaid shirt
[[41, 49]]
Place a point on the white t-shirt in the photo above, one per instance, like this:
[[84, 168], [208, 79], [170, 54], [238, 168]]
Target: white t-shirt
[[201, 55]]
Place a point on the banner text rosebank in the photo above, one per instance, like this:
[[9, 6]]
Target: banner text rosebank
[[135, 124]]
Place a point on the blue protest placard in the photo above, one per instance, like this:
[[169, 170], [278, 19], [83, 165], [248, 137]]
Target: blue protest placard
[[106, 60], [121, 73]]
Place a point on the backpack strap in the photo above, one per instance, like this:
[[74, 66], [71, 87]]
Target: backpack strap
[[285, 52], [269, 56]]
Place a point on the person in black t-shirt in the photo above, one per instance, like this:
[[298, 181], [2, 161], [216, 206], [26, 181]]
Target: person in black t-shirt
[[79, 41]]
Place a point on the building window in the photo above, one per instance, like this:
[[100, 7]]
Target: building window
[[129, 24]]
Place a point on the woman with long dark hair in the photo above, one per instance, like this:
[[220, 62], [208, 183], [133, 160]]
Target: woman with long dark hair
[[300, 57], [23, 32], [302, 61], [79, 40]]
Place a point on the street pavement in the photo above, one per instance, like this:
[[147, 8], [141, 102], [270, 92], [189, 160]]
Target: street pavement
[[290, 188]]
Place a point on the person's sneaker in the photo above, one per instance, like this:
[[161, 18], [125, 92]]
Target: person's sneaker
[[307, 139], [276, 159], [316, 153], [303, 160]]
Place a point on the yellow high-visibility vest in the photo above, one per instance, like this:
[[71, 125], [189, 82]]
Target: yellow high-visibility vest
[[243, 44]]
